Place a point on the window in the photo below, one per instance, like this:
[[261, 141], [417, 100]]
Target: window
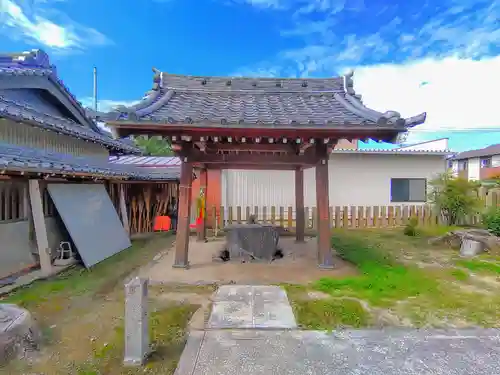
[[486, 162], [408, 190], [462, 165]]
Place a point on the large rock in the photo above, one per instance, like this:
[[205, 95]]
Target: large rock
[[471, 241], [19, 335]]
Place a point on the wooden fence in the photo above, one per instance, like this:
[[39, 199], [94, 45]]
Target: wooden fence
[[340, 217]]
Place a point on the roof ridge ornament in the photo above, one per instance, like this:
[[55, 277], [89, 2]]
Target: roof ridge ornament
[[157, 79], [349, 82]]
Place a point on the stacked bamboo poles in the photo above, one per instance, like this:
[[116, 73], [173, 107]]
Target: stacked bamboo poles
[[147, 201]]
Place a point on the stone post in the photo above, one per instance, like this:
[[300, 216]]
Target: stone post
[[136, 322]]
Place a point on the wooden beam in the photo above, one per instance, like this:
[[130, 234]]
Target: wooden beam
[[123, 209], [299, 205], [42, 240], [184, 204], [325, 257], [253, 159], [354, 131], [303, 147], [251, 147], [147, 182], [201, 145], [263, 167]]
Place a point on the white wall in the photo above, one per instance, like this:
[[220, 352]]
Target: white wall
[[354, 179], [454, 168], [495, 161], [474, 169]]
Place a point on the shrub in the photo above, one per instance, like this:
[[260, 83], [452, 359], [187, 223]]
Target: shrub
[[491, 220], [411, 228], [454, 197]]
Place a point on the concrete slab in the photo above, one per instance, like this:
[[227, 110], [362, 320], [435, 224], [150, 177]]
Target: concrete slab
[[245, 306], [373, 352]]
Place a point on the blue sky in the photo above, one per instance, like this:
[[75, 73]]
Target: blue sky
[[440, 56]]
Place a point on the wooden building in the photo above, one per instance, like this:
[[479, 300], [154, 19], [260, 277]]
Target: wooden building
[[256, 123], [46, 141]]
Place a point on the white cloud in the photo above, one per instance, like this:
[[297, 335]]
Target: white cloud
[[462, 28], [443, 59], [57, 32], [455, 93], [303, 7], [263, 4], [106, 105]]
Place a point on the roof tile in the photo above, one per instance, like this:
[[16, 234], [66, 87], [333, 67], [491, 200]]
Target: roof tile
[[276, 102], [18, 158]]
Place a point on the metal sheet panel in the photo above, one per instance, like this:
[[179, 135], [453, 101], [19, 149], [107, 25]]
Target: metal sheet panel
[[263, 188], [91, 220]]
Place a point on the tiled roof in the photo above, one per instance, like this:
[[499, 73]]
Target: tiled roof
[[36, 64], [255, 102], [487, 151], [29, 160], [391, 151]]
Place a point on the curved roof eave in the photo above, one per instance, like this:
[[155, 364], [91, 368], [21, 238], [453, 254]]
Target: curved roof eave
[[37, 63], [39, 60], [161, 93], [353, 103]]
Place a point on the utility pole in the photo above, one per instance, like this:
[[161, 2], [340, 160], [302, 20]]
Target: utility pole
[[95, 89]]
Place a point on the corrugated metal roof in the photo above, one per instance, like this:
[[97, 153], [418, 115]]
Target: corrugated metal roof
[[147, 161]]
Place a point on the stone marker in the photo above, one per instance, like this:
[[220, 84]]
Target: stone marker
[[470, 247], [136, 322], [19, 335]]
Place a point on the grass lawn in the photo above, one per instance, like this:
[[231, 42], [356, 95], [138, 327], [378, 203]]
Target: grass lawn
[[403, 281], [80, 313]]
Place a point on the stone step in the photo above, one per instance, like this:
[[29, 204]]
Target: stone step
[[251, 307]]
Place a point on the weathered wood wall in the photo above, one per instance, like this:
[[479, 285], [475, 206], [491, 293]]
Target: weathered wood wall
[[14, 203], [30, 136]]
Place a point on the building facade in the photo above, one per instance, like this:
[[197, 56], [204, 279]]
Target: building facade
[[478, 165], [49, 146], [357, 178]]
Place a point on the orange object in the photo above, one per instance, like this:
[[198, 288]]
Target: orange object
[[162, 223]]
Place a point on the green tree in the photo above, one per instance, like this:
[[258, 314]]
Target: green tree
[[154, 146], [454, 197]]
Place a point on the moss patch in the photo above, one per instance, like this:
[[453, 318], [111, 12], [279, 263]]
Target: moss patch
[[168, 336], [329, 314], [81, 315], [404, 276]]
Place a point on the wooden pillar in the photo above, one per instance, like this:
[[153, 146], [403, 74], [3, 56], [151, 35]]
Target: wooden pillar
[[202, 227], [123, 209], [299, 205], [325, 258], [42, 241], [184, 206]]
